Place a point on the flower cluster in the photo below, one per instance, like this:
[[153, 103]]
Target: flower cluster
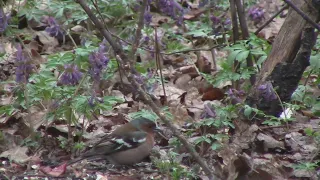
[[202, 3], [267, 91], [208, 112], [71, 75], [54, 28], [146, 81], [219, 23], [214, 19], [147, 17], [98, 61], [24, 65], [94, 100], [256, 14], [147, 14], [235, 96], [3, 20], [173, 9]]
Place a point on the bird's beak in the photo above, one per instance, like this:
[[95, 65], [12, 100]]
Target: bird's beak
[[157, 129], [160, 132]]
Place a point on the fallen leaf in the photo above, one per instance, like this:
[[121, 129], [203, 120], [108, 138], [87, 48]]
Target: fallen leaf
[[17, 154], [55, 172]]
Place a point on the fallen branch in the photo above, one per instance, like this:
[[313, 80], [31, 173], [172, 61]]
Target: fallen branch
[[303, 15], [271, 19]]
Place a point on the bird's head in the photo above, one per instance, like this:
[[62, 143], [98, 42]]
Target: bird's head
[[144, 124]]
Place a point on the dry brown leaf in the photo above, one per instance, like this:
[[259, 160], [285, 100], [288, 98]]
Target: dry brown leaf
[[55, 172], [17, 154]]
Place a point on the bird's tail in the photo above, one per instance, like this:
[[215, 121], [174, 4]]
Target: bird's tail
[[88, 158]]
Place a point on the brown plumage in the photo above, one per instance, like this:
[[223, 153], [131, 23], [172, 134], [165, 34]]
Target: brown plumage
[[127, 144]]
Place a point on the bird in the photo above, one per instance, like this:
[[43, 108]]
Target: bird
[[128, 144]]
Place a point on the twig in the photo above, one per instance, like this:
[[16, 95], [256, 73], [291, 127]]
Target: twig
[[303, 15], [170, 53], [138, 31], [234, 20], [269, 20], [235, 33], [158, 61], [271, 127], [199, 49], [125, 65], [245, 35]]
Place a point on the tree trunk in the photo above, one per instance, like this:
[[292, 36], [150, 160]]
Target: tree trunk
[[287, 60]]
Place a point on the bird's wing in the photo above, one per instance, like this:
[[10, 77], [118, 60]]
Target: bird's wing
[[117, 143]]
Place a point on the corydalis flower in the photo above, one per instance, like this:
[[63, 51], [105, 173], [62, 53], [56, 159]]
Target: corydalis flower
[[267, 92], [208, 112], [256, 14], [235, 95], [71, 75], [146, 39], [173, 9], [94, 100], [227, 21], [3, 20], [215, 20], [147, 16], [98, 61], [146, 81], [54, 28], [24, 65], [202, 3]]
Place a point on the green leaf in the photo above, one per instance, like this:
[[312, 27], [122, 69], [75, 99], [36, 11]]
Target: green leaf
[[197, 33], [7, 109], [215, 146], [242, 56], [261, 60], [144, 113], [258, 52], [309, 131], [247, 111], [315, 62], [198, 140], [232, 56], [316, 109]]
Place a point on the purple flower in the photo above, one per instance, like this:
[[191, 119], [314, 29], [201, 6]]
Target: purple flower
[[54, 28], [24, 65], [147, 18], [147, 15], [54, 105], [98, 61], [209, 112], [215, 20], [93, 100], [150, 86], [202, 3], [227, 21], [235, 96], [71, 75], [256, 14], [140, 79], [3, 20], [267, 92], [172, 9], [136, 7], [146, 39]]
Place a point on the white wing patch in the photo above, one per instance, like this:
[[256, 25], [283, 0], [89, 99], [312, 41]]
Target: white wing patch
[[122, 142], [140, 140]]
